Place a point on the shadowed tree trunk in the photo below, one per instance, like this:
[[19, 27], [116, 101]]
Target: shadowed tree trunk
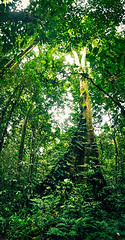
[[4, 130], [34, 144], [116, 157], [7, 104], [20, 155]]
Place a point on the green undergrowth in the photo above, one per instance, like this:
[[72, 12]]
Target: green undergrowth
[[69, 212]]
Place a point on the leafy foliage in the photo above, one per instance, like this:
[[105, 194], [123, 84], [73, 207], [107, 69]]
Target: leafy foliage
[[70, 212]]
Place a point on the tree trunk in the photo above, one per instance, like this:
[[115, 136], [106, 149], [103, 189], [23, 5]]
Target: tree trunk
[[3, 132], [20, 155], [116, 157], [34, 146], [32, 155], [86, 115], [87, 156], [8, 103]]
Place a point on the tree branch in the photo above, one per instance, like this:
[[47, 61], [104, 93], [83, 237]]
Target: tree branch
[[114, 100], [13, 63]]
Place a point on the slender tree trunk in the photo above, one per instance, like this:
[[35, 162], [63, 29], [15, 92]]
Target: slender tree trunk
[[34, 150], [116, 157], [20, 155], [4, 130], [32, 157], [8, 103]]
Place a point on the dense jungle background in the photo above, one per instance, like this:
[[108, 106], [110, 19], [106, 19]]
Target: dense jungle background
[[62, 120]]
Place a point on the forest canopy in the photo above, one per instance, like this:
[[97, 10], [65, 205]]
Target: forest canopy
[[62, 120]]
